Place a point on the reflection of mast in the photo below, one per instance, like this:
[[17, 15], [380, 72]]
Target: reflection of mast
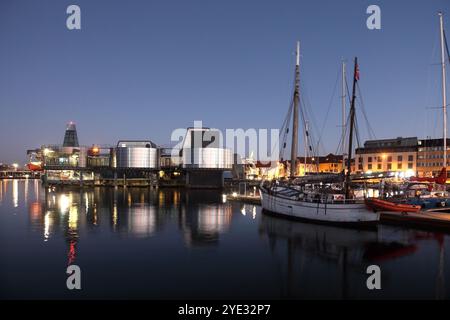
[[440, 281], [343, 270], [290, 267]]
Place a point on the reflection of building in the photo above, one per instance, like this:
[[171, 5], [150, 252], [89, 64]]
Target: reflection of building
[[203, 217], [430, 156], [397, 155]]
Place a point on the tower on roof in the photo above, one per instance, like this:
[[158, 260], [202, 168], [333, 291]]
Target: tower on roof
[[70, 137]]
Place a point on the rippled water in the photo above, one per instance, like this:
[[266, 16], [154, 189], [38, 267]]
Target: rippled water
[[177, 244]]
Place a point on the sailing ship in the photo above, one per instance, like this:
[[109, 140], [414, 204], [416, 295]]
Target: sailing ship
[[316, 198]]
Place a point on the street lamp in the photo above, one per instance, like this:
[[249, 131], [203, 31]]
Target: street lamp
[[15, 165]]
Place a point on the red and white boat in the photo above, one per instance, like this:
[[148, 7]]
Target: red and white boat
[[384, 205]]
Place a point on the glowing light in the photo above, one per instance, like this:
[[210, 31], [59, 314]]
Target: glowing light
[[73, 217], [46, 226], [409, 173], [64, 203], [15, 193], [224, 198], [234, 194], [47, 151], [115, 215]]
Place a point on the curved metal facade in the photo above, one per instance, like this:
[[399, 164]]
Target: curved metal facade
[[129, 155], [207, 158]]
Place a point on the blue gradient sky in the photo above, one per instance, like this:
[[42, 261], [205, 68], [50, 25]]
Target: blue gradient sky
[[139, 69]]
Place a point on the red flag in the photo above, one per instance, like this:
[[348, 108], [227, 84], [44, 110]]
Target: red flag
[[357, 73]]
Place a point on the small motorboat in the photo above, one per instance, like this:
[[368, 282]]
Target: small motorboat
[[384, 205]]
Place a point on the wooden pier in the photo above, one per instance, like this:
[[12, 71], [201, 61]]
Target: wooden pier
[[434, 219]]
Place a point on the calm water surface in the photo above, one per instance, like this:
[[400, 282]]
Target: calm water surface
[[176, 244]]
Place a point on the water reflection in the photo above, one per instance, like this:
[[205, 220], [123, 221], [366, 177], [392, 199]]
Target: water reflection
[[295, 244], [15, 193], [160, 230], [130, 212]]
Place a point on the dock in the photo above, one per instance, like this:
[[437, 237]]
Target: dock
[[432, 219], [244, 198]]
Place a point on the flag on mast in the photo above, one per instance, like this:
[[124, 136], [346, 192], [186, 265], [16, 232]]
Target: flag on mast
[[357, 73]]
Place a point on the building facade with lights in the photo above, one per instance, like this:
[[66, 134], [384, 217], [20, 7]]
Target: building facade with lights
[[430, 156], [393, 155]]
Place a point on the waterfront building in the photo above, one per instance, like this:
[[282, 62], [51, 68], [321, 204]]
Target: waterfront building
[[430, 156], [388, 155], [100, 157], [330, 163]]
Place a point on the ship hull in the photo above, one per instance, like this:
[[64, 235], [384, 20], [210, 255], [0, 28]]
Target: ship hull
[[349, 214]]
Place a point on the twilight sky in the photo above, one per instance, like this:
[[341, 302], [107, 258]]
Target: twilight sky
[[140, 69]]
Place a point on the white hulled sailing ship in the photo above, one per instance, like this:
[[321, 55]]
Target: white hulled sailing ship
[[320, 198]]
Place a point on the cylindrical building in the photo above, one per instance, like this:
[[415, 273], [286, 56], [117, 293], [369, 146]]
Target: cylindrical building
[[137, 154]]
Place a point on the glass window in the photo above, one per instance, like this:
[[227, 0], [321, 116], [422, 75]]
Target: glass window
[[399, 158], [410, 165], [410, 157], [399, 166]]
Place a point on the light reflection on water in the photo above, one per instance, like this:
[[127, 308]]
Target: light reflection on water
[[190, 244]]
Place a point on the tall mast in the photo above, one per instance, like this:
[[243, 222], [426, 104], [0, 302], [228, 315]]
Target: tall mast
[[306, 144], [444, 94], [294, 146], [350, 136], [343, 96]]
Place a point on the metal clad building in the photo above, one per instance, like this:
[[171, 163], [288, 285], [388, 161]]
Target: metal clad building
[[137, 154], [202, 149]]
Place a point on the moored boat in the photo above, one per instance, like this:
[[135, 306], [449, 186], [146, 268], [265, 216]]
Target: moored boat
[[316, 200], [331, 208], [384, 205]]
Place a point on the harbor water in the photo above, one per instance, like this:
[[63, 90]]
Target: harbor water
[[142, 243]]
